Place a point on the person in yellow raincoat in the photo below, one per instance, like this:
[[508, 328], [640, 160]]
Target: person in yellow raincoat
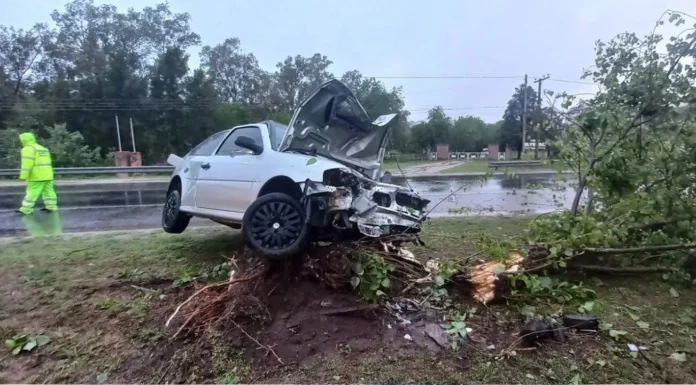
[[37, 170]]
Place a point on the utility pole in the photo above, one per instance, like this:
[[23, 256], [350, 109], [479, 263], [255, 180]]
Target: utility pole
[[538, 119], [118, 133], [524, 115], [132, 135]]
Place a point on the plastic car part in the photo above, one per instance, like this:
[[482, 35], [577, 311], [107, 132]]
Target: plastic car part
[[275, 225]]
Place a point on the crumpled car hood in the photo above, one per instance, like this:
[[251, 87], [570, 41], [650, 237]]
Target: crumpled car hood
[[332, 123]]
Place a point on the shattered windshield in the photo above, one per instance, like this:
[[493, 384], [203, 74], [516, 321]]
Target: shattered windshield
[[277, 132]]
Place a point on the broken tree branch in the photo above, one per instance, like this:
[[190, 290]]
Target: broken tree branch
[[208, 287], [622, 270], [644, 249], [267, 348]]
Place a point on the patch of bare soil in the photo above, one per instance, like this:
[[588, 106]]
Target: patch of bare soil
[[269, 328]]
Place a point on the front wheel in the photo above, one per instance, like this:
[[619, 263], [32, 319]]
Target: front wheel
[[173, 220], [275, 225]]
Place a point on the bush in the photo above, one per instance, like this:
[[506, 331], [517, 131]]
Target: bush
[[68, 149]]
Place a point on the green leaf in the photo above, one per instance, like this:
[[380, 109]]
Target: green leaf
[[674, 293], [29, 346], [355, 281], [42, 340], [17, 350], [617, 333], [562, 264], [643, 325], [359, 269], [575, 380], [311, 161], [681, 357], [528, 311], [380, 293], [606, 326], [439, 281], [633, 316], [386, 282], [553, 251], [545, 282], [10, 343]]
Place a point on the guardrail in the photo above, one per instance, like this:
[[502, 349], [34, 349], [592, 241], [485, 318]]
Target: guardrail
[[99, 170], [515, 163]]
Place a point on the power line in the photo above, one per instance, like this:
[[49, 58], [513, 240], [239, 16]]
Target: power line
[[447, 77], [570, 81]]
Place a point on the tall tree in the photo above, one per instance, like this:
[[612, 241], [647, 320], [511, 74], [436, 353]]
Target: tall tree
[[297, 77], [440, 124], [168, 90], [511, 129], [377, 100], [237, 76]]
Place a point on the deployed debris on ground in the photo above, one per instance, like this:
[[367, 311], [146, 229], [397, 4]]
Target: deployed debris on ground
[[311, 299]]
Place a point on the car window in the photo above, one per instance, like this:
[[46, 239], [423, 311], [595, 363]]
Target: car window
[[229, 148], [208, 146], [277, 132]]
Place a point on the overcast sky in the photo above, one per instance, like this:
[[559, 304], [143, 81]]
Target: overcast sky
[[414, 38]]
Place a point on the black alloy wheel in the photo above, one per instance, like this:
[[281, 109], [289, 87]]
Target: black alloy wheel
[[173, 220], [274, 224]]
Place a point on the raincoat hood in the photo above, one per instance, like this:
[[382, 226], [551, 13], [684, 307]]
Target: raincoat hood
[[27, 138]]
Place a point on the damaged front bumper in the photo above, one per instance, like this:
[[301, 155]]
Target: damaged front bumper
[[346, 200]]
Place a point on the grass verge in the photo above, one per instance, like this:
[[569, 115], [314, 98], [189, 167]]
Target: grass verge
[[103, 299]]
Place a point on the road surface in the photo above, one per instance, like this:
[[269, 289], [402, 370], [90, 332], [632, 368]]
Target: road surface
[[91, 205]]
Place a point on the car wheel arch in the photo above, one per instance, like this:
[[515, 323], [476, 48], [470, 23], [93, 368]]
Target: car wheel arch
[[281, 184], [175, 184]]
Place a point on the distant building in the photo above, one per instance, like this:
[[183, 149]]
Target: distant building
[[442, 151]]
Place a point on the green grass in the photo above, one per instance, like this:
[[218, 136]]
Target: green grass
[[481, 165], [391, 165], [470, 166], [103, 299]]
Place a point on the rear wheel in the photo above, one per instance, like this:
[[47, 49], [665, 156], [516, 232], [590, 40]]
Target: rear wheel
[[173, 220], [275, 225]]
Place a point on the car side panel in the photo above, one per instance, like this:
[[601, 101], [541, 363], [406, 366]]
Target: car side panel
[[189, 176], [226, 189], [226, 185]]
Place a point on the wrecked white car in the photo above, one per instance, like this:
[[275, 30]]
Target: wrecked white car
[[286, 185]]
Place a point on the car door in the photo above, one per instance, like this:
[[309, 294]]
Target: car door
[[194, 160], [224, 183]]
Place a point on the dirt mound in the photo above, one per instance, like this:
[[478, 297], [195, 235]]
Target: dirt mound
[[301, 311]]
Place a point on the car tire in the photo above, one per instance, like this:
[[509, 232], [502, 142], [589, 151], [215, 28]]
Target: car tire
[[275, 225], [173, 220]]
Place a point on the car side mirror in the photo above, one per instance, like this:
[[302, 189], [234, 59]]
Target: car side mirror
[[249, 144]]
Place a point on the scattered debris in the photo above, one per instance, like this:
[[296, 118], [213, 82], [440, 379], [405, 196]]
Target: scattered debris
[[581, 322], [438, 334], [408, 337], [632, 347], [490, 347], [539, 330]]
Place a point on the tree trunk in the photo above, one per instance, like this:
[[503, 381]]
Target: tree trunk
[[578, 194], [590, 202]]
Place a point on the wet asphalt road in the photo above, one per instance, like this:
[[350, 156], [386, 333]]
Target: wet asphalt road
[[89, 206]]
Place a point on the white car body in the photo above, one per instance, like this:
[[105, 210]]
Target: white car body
[[328, 160], [225, 190]]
